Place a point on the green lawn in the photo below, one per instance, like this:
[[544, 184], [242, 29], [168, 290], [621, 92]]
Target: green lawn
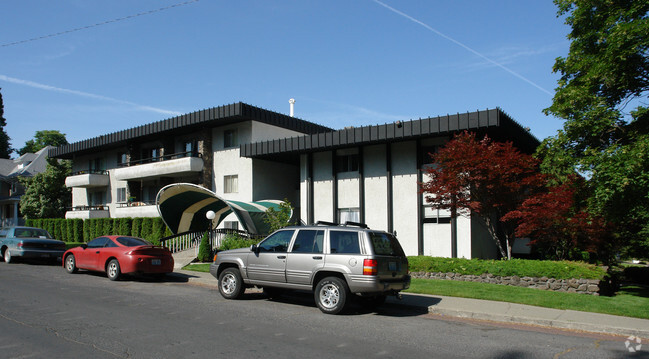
[[630, 301], [198, 267]]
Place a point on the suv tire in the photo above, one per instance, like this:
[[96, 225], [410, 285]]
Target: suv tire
[[331, 295], [231, 284]]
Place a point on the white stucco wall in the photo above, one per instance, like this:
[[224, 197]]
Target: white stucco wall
[[405, 190], [376, 187], [322, 187]]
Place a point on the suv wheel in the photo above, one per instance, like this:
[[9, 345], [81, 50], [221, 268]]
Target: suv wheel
[[231, 284], [331, 295]]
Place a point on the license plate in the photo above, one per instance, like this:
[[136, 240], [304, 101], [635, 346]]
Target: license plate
[[156, 262], [392, 266]]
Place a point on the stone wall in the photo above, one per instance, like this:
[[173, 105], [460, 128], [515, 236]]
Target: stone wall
[[585, 286]]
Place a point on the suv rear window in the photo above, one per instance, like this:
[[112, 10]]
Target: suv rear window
[[385, 244]]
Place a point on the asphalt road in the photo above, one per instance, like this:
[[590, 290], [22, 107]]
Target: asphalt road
[[48, 313]]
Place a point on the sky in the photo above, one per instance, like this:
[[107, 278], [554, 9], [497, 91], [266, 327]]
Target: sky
[[92, 67]]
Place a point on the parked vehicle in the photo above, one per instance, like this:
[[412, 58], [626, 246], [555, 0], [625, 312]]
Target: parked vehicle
[[28, 242], [117, 255], [333, 261]]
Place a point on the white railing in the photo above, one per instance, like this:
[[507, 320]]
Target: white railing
[[191, 240]]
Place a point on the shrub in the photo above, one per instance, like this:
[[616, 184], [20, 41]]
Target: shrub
[[205, 250], [136, 227], [234, 241], [514, 267]]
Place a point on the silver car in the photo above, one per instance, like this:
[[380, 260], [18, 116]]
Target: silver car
[[29, 242], [333, 261]]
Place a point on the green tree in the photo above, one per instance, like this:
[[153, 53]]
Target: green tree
[[42, 139], [46, 195], [204, 250], [279, 218], [5, 146], [602, 96]]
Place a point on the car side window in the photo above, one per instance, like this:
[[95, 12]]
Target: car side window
[[3, 233], [344, 242], [308, 241], [277, 242], [110, 244], [99, 242]]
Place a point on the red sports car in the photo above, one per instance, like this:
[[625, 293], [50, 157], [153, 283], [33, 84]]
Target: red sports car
[[117, 255]]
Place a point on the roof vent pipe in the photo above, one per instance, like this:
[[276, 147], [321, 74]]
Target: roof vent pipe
[[292, 104]]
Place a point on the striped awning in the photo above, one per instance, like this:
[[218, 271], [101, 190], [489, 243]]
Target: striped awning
[[183, 207]]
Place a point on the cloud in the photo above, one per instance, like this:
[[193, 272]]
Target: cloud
[[87, 95]]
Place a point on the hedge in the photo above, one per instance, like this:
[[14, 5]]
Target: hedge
[[514, 267], [78, 230]]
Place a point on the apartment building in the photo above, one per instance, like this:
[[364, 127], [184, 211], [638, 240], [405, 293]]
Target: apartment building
[[364, 174]]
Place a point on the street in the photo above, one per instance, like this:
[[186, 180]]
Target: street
[[48, 313]]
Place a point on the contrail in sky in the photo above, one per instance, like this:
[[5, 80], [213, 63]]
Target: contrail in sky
[[86, 94], [463, 46]]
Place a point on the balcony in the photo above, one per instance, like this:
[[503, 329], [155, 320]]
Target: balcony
[[136, 209], [88, 212], [87, 179], [167, 166]]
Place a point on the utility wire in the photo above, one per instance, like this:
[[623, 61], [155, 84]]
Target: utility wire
[[99, 24]]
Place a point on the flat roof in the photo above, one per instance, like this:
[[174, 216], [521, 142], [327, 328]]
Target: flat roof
[[216, 116], [496, 123]]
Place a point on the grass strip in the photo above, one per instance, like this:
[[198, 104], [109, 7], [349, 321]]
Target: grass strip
[[198, 267], [630, 301]]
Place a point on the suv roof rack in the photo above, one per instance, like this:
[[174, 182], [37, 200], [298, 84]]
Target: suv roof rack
[[356, 224], [325, 223]]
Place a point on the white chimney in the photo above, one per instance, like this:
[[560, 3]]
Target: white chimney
[[292, 102]]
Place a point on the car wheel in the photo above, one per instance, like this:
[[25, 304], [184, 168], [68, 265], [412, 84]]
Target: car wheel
[[7, 256], [112, 270], [331, 295], [231, 284], [71, 264]]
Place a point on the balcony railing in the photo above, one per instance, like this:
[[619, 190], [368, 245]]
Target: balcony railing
[[172, 156], [89, 172], [101, 207]]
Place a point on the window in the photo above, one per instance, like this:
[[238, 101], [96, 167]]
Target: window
[[231, 224], [277, 242], [308, 241], [231, 184], [97, 165], [347, 163], [230, 138], [385, 244], [349, 214], [98, 242], [132, 242], [121, 195], [97, 198], [344, 242], [122, 159], [189, 149], [434, 215], [426, 152]]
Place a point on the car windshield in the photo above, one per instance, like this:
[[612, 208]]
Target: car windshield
[[132, 242], [385, 244], [31, 233]]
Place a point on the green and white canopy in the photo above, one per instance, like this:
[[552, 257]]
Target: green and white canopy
[[183, 207]]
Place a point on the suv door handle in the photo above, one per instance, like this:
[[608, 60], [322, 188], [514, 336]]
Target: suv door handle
[[317, 257], [281, 257]]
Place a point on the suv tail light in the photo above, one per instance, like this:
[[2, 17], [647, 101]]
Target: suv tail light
[[370, 267]]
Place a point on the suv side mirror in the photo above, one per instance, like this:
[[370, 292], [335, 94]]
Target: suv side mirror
[[254, 248]]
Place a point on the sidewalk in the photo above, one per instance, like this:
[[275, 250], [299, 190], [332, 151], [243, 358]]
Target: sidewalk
[[496, 311]]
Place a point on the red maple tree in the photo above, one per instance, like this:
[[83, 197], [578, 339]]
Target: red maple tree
[[484, 178], [556, 224]]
